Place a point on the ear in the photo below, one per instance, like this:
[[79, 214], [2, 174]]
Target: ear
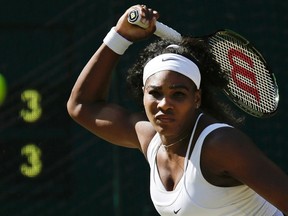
[[198, 96], [143, 89]]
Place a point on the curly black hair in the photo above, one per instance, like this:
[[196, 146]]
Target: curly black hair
[[213, 79]]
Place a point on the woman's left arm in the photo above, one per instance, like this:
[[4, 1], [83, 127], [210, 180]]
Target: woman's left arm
[[242, 160]]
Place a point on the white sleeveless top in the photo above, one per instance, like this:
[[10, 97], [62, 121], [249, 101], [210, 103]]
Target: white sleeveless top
[[193, 195]]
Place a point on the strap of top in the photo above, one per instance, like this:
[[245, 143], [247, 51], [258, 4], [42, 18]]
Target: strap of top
[[190, 141]]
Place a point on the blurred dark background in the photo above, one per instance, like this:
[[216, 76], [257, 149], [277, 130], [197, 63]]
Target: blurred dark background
[[44, 46]]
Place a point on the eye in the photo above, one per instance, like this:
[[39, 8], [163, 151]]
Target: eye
[[179, 95], [156, 94]]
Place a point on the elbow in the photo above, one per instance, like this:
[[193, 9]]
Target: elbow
[[73, 109]]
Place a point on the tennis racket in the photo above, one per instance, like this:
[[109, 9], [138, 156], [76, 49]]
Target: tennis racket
[[252, 86]]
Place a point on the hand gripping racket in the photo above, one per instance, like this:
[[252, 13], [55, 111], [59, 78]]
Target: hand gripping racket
[[252, 86]]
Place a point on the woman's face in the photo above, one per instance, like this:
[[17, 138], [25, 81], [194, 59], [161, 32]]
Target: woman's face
[[170, 101]]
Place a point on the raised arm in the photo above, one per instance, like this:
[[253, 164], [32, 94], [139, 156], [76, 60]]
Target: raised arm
[[87, 104]]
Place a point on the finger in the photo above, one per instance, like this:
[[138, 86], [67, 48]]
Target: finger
[[147, 13]]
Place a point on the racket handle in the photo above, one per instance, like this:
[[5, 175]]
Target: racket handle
[[162, 30]]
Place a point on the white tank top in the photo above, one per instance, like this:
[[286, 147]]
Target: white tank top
[[193, 195]]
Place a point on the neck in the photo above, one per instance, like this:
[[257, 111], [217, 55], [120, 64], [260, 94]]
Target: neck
[[169, 145]]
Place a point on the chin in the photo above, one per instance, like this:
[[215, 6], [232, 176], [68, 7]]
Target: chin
[[165, 130]]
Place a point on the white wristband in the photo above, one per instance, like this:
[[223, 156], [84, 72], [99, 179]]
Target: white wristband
[[116, 42]]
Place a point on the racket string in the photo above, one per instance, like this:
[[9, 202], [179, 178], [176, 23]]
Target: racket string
[[258, 93]]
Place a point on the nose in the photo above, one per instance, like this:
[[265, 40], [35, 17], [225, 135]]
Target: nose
[[164, 104]]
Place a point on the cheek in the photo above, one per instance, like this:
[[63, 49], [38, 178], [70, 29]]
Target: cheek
[[149, 104], [189, 116]]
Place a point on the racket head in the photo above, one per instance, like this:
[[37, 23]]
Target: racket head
[[252, 86]]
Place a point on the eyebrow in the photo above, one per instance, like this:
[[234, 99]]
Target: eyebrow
[[179, 86], [174, 86]]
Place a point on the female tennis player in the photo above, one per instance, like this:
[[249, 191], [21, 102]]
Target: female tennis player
[[201, 163]]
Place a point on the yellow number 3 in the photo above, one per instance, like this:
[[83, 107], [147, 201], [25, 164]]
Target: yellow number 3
[[32, 98], [34, 165]]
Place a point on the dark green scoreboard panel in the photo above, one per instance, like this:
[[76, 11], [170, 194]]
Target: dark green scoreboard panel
[[34, 145]]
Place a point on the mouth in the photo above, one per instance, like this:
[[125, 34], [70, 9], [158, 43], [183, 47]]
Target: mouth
[[164, 119]]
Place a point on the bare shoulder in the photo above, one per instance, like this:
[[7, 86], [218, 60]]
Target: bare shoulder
[[228, 137], [230, 153], [145, 133], [227, 148], [219, 154]]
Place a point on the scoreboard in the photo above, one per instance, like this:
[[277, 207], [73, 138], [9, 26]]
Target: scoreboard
[[35, 156]]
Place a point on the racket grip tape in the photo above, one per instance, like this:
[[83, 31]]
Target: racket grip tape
[[162, 30]]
